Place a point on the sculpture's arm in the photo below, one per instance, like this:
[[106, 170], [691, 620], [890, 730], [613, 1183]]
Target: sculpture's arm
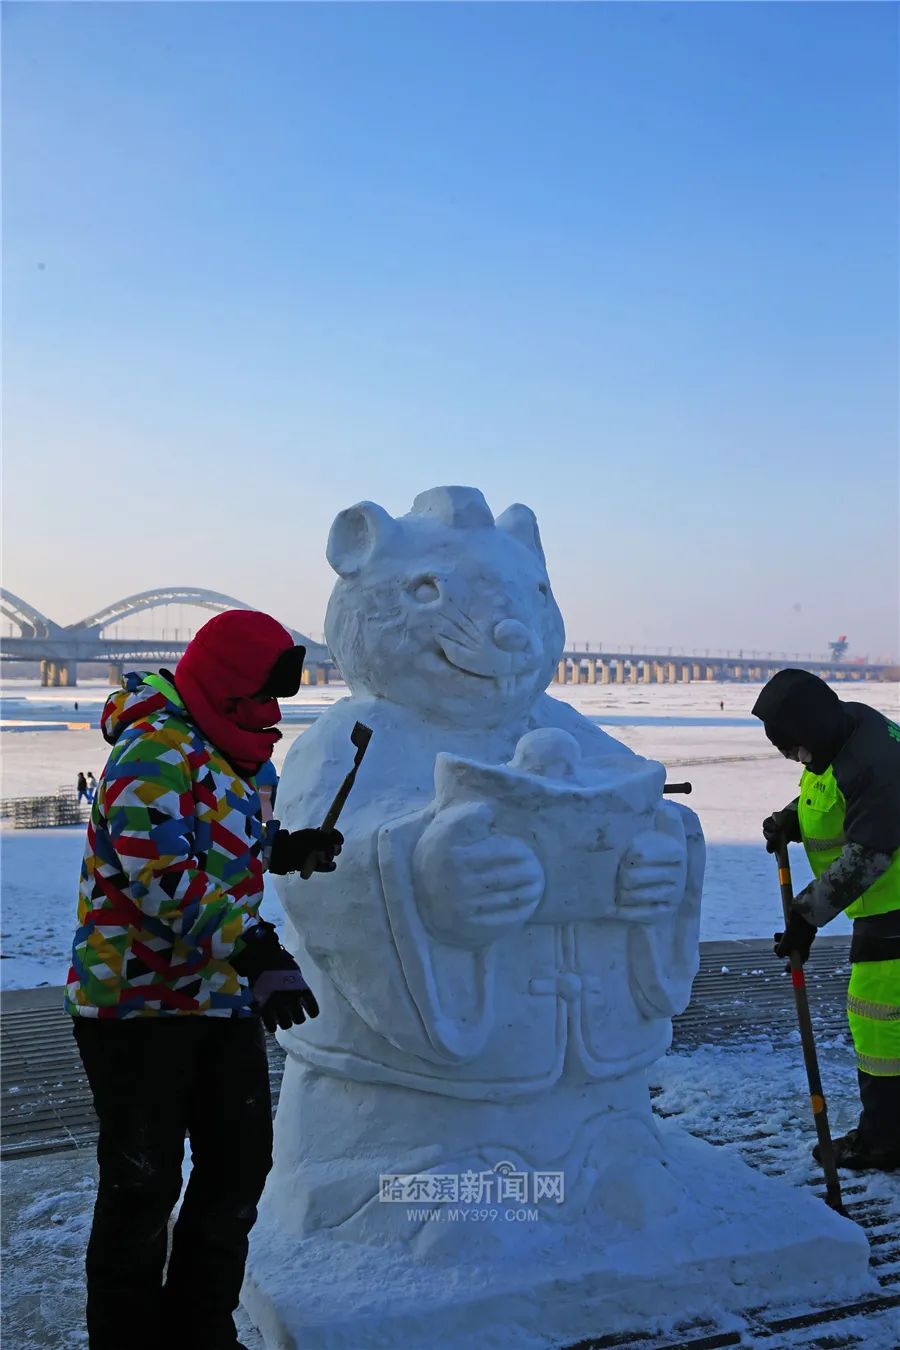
[[340, 929], [453, 887], [376, 937], [664, 952]]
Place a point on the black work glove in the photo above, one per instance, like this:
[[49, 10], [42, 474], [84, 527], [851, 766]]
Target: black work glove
[[781, 825], [294, 850], [797, 937], [280, 994]]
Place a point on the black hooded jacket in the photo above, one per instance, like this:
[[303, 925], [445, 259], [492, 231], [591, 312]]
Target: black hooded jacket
[[862, 748]]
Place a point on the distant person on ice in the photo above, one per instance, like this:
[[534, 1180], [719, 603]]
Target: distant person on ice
[[847, 816], [91, 786], [173, 976], [81, 788]]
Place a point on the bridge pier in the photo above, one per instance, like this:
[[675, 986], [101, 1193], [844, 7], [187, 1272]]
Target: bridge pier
[[685, 674], [592, 671], [620, 672], [604, 672], [114, 672], [647, 672], [59, 674], [633, 673]]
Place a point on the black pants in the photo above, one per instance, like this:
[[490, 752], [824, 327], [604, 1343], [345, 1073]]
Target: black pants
[[880, 1120], [153, 1080]]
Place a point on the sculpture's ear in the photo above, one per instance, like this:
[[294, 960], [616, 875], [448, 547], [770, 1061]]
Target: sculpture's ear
[[521, 522], [356, 536]]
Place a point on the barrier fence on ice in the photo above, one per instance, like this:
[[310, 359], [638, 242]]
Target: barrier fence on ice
[[37, 813]]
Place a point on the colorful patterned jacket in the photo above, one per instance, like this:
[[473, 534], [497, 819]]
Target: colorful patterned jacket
[[171, 873]]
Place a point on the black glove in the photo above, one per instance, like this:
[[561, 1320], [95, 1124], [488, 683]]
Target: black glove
[[280, 994], [781, 825], [797, 937], [293, 850]]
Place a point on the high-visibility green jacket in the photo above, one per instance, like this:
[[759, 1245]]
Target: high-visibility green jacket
[[821, 810], [873, 997]]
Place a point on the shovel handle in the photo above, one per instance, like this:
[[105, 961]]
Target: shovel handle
[[808, 1042]]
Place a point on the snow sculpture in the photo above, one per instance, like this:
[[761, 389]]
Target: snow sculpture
[[512, 927]]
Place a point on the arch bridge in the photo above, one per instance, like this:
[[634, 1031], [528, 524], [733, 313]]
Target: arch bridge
[[59, 648]]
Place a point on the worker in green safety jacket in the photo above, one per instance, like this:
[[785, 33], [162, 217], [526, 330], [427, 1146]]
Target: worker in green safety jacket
[[847, 816]]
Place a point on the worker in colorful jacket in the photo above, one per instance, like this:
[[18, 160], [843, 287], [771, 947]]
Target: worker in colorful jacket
[[847, 815], [173, 976]]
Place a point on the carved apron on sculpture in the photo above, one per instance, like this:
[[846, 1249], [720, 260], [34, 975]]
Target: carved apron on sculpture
[[464, 1139]]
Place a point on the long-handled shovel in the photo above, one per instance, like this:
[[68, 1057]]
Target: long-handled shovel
[[807, 1040]]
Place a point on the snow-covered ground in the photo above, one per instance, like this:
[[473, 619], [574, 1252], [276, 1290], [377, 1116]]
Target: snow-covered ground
[[749, 1099], [737, 778]]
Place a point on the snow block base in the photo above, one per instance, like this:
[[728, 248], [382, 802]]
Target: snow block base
[[735, 1240]]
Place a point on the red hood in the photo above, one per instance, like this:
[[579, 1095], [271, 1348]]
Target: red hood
[[226, 664]]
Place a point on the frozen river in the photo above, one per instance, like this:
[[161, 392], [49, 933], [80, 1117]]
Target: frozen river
[[738, 779]]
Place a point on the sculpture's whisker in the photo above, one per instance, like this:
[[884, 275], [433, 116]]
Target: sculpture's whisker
[[462, 621]]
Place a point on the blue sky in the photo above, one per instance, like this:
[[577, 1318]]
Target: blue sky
[[634, 265]]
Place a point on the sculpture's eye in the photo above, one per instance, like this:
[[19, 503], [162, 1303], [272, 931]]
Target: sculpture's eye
[[544, 590], [425, 590]]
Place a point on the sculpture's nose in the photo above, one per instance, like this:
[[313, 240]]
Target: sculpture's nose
[[511, 636]]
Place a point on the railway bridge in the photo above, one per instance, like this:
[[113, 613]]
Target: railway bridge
[[637, 667]]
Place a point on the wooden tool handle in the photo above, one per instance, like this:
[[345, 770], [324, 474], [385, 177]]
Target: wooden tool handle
[[340, 797], [807, 1040]]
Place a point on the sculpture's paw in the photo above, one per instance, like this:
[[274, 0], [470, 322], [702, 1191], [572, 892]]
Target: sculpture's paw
[[474, 884], [651, 877]]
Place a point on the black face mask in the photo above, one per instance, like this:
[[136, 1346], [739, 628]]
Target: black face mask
[[798, 709], [283, 680]]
